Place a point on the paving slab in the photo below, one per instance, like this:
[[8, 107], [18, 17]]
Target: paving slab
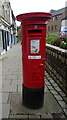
[[58, 89], [59, 116], [10, 88], [54, 92], [46, 89], [5, 97], [19, 116], [19, 87], [4, 77], [0, 98], [54, 84], [5, 82], [11, 77], [62, 103], [52, 81], [65, 99], [0, 111], [5, 110], [47, 83], [58, 97], [34, 117], [50, 105], [65, 110], [50, 87], [46, 116], [62, 94]]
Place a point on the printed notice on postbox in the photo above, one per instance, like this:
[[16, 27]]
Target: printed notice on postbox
[[35, 46]]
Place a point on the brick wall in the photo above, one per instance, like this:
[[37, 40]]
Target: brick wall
[[56, 65]]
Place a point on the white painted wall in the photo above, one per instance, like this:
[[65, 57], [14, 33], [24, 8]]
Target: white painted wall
[[64, 27]]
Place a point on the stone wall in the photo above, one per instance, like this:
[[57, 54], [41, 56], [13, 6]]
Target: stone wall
[[56, 65]]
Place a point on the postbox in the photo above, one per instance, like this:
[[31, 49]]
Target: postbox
[[34, 53]]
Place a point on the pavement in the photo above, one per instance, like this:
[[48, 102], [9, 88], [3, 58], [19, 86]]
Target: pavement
[[55, 100]]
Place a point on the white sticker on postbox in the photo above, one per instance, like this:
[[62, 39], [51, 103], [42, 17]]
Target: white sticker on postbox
[[34, 57]]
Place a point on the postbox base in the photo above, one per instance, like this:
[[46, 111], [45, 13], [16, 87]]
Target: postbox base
[[33, 98]]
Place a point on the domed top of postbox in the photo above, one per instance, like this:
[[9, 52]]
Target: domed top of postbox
[[34, 18]]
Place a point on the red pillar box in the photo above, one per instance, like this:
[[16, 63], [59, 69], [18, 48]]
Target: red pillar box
[[33, 42]]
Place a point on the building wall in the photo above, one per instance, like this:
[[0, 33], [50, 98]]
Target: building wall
[[4, 25], [7, 38], [54, 24], [4, 10]]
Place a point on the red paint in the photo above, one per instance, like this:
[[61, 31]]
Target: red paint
[[33, 69]]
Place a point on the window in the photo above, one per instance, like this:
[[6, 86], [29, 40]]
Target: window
[[3, 11], [6, 12], [56, 17], [51, 27], [1, 46], [52, 18], [55, 27]]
